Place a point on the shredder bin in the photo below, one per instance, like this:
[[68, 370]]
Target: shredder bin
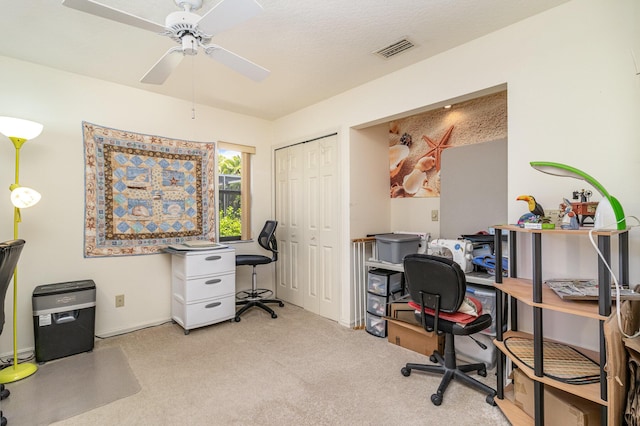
[[63, 319]]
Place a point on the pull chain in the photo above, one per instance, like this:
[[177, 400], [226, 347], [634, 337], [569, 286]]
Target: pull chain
[[193, 87]]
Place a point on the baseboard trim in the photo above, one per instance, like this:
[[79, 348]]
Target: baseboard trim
[[118, 332]]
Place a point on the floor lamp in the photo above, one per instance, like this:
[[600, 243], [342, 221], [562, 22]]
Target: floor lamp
[[18, 131]]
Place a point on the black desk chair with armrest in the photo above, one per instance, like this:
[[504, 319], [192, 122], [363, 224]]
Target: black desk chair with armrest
[[438, 284], [9, 255], [259, 296]]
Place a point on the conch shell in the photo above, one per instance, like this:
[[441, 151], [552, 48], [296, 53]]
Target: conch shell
[[397, 191], [397, 155], [425, 191], [426, 163], [414, 181]]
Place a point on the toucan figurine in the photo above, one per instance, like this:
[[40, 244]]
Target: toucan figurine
[[535, 208], [536, 212]]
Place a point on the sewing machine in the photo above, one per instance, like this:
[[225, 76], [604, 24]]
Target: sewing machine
[[460, 251]]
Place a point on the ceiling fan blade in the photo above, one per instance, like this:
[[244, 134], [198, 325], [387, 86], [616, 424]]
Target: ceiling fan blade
[[237, 63], [103, 11], [228, 14], [164, 67]]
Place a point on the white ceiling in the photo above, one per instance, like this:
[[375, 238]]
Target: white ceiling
[[314, 48]]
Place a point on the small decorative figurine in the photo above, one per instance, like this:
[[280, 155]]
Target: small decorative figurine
[[536, 212], [569, 217]]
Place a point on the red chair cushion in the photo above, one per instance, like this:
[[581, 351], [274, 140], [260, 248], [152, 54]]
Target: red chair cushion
[[457, 317]]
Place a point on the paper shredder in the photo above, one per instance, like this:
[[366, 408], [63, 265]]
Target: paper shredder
[[64, 319]]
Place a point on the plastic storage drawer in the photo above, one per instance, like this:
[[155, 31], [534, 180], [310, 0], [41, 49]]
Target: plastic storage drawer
[[383, 282], [487, 297], [376, 325], [468, 349], [376, 304]]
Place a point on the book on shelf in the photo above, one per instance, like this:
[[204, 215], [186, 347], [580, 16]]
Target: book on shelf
[[585, 289]]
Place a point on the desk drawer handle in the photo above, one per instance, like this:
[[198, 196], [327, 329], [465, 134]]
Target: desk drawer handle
[[214, 281], [213, 305], [213, 258]]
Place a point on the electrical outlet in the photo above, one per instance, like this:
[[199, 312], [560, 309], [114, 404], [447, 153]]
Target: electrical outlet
[[434, 215], [119, 300]]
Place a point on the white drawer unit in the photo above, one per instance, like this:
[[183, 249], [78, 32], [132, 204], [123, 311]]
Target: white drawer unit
[[203, 263], [203, 287]]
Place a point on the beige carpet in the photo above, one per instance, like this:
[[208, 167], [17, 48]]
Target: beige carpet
[[69, 386], [298, 369]]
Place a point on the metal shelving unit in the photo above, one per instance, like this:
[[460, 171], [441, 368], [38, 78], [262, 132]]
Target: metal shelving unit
[[532, 293]]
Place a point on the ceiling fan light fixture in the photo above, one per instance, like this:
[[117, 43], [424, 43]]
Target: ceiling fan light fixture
[[189, 4], [190, 31], [189, 45]]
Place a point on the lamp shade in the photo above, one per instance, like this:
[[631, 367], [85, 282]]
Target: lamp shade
[[23, 197], [19, 128], [609, 211]]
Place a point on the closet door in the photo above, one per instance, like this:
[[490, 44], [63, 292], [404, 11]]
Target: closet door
[[307, 198], [321, 227], [289, 203]]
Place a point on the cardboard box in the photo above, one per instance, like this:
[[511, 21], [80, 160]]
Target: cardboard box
[[401, 311], [560, 408], [413, 337]]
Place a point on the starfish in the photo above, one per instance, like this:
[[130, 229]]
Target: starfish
[[438, 147]]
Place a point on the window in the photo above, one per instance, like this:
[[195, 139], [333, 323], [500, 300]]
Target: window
[[234, 191]]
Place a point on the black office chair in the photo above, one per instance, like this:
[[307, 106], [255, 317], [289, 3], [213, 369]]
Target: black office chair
[[9, 255], [259, 296], [438, 284]]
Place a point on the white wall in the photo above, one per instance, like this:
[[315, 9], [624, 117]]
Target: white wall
[[573, 97], [369, 207], [53, 163]]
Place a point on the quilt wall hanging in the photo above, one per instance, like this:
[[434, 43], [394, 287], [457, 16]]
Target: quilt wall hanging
[[143, 192]]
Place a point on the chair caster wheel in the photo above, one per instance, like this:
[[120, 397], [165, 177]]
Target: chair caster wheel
[[436, 399], [186, 332], [490, 400], [482, 373], [433, 359], [274, 316], [281, 304], [406, 372], [3, 421], [237, 319]]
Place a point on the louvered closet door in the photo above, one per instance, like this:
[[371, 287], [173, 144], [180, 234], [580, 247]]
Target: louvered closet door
[[307, 198]]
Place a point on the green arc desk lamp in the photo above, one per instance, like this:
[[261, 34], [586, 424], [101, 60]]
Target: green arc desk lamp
[[609, 214]]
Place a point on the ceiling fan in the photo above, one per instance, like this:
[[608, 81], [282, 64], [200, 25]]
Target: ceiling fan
[[190, 30]]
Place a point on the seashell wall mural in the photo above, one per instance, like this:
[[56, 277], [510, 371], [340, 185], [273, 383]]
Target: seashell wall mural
[[416, 143]]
